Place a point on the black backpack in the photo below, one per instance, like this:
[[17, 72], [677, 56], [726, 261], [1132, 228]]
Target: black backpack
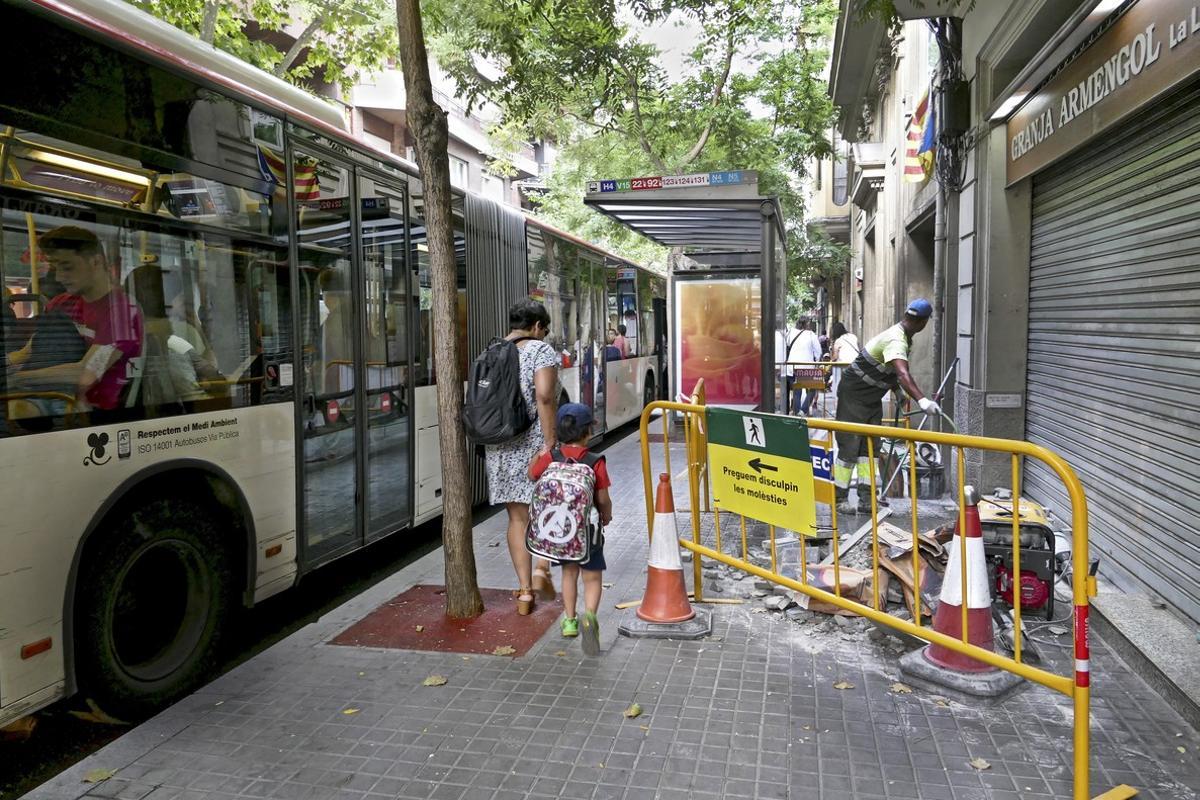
[[494, 411]]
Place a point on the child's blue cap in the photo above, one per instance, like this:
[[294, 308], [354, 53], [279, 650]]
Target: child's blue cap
[[581, 413]]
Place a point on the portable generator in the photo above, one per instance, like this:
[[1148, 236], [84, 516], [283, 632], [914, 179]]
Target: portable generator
[[1038, 564]]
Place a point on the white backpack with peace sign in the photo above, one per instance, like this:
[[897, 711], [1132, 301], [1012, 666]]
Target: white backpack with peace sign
[[563, 522]]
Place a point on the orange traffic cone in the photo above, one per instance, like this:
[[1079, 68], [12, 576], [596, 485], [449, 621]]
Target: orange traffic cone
[[666, 599], [948, 618]]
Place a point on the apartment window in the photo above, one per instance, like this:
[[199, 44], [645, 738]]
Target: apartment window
[[493, 188], [841, 165], [458, 172]]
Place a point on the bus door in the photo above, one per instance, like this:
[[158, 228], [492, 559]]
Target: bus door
[[660, 347], [329, 398], [387, 380]]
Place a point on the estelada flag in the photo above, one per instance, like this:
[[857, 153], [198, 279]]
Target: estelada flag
[[918, 126], [304, 172]]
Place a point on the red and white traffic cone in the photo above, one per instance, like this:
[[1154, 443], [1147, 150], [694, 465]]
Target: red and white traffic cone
[[666, 598], [948, 618], [941, 666]]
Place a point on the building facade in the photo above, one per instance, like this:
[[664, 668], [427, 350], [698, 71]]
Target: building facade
[[1071, 256]]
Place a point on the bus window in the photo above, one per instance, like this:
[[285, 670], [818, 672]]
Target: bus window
[[115, 316], [423, 366]]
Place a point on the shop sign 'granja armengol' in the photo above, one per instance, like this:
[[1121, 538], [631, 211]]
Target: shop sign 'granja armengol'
[[1150, 49]]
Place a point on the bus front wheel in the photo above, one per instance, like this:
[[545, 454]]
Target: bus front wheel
[[151, 607]]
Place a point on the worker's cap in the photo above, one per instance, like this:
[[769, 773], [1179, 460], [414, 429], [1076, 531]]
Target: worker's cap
[[581, 413], [919, 308]]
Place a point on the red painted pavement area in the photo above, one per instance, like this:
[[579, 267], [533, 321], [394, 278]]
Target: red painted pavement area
[[394, 624]]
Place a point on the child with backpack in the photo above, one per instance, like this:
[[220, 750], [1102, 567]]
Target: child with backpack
[[574, 429]]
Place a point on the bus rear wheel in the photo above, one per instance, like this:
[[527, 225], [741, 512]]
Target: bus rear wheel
[[151, 607]]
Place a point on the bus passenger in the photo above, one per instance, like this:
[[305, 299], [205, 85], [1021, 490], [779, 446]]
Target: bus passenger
[[508, 463], [107, 320], [611, 351], [621, 342]]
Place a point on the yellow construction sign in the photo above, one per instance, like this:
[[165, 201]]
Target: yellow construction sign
[[760, 466]]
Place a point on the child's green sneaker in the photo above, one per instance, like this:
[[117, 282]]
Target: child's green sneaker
[[591, 634], [570, 627]]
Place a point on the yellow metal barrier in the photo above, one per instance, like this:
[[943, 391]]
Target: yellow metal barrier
[[1076, 686]]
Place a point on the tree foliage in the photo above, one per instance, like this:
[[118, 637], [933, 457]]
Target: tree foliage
[[335, 40], [751, 93]]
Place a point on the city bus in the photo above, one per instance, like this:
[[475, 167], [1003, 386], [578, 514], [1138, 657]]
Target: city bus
[[217, 346]]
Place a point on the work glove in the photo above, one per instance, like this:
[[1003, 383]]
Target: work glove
[[929, 407]]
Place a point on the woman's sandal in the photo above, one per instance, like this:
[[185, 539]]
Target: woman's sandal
[[543, 585], [524, 607]]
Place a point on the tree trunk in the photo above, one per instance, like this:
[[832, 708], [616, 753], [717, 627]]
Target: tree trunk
[[428, 124], [208, 26]]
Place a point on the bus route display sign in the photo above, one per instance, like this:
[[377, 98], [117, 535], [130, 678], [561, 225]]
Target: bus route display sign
[[761, 466], [727, 178]]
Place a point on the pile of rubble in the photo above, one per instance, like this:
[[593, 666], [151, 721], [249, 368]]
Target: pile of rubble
[[856, 574]]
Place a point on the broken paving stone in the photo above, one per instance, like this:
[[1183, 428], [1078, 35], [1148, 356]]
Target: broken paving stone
[[760, 593], [980, 764], [843, 622], [798, 615], [764, 586], [777, 603], [714, 586]]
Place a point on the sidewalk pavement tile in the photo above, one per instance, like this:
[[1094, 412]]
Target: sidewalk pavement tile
[[750, 712]]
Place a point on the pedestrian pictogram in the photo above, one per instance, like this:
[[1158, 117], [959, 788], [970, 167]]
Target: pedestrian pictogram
[[754, 431], [761, 466]]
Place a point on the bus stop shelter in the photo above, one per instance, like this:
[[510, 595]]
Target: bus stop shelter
[[726, 279]]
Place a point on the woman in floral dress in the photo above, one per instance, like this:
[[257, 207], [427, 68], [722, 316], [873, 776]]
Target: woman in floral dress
[[508, 463]]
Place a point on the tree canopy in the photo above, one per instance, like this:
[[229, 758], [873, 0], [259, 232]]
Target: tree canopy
[[335, 40], [750, 93]]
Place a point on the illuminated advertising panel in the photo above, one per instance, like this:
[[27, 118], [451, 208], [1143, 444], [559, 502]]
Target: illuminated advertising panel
[[718, 321]]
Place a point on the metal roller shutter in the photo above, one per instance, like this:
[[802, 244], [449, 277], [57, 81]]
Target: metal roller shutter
[[1114, 344]]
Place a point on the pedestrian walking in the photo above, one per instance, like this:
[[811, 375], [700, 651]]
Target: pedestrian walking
[[783, 351], [879, 368], [574, 429], [843, 349], [508, 481], [806, 349]]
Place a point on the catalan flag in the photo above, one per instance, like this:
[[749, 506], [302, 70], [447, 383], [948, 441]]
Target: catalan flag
[[920, 127], [304, 171]]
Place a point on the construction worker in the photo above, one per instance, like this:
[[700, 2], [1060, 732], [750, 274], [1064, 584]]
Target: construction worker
[[881, 367]]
